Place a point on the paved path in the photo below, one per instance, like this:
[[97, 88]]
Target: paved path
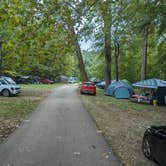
[[59, 133]]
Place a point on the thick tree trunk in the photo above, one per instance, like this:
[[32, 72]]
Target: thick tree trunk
[[84, 76], [116, 61], [144, 53], [107, 41], [83, 73], [107, 61]]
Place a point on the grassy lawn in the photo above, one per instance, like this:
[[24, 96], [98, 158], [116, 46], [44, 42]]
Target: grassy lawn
[[14, 109], [123, 123]]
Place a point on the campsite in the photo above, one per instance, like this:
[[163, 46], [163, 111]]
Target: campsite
[[156, 89], [128, 109], [123, 123], [151, 91], [82, 83]]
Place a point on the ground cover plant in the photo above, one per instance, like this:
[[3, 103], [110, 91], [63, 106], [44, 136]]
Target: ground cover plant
[[123, 124], [13, 110]]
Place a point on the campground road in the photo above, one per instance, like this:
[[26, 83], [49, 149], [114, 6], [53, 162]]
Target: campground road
[[59, 133]]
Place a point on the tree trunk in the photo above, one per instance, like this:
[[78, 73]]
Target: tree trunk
[[107, 41], [0, 59], [83, 74], [116, 60], [144, 53]]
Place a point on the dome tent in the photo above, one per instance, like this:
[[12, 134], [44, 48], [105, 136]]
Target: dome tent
[[120, 90]]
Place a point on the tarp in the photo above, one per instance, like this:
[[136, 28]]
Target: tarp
[[150, 83], [119, 90]]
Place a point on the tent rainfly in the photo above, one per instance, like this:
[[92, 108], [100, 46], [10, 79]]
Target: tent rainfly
[[150, 83], [120, 90]]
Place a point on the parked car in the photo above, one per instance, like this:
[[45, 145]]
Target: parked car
[[101, 85], [8, 87], [72, 80], [27, 79], [95, 80], [46, 81], [154, 144], [88, 88]]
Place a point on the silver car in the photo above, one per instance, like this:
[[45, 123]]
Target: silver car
[[8, 87]]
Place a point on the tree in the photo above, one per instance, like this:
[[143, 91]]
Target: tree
[[30, 39], [70, 16], [44, 37], [101, 24], [106, 13], [1, 42]]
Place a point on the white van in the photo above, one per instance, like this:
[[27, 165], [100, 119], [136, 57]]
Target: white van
[[8, 87]]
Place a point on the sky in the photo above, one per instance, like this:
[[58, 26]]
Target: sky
[[86, 45]]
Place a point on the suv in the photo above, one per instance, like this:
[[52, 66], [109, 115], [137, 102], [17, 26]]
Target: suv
[[8, 87]]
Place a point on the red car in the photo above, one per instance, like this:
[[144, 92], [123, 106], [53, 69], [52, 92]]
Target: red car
[[88, 88], [46, 81]]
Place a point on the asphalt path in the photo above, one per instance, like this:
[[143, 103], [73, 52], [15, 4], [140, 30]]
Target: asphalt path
[[59, 133]]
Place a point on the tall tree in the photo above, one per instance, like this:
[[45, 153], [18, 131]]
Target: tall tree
[[144, 53], [71, 17], [107, 36], [116, 52], [1, 41], [106, 14]]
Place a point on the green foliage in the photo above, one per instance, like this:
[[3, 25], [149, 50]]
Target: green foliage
[[36, 37], [32, 44], [128, 20], [94, 63]]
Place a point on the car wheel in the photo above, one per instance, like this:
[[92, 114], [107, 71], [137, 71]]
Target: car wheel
[[81, 92], [147, 148], [6, 93]]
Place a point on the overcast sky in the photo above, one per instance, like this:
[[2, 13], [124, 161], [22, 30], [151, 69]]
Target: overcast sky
[[86, 45]]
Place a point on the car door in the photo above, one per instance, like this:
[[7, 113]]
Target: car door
[[161, 147]]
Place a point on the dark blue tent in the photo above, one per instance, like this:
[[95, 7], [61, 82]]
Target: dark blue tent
[[120, 90]]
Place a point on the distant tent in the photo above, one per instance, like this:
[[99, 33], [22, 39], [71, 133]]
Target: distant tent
[[120, 90], [158, 85]]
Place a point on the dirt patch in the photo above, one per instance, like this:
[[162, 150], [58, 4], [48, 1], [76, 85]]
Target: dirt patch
[[123, 123]]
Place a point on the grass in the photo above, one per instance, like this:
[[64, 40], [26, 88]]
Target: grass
[[123, 123], [14, 109], [40, 86]]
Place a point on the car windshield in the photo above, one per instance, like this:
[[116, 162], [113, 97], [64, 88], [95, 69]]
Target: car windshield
[[10, 81]]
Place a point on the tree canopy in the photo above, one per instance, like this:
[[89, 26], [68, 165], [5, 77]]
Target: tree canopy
[[128, 38]]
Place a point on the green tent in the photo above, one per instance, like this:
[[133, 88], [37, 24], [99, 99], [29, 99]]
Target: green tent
[[127, 82]]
